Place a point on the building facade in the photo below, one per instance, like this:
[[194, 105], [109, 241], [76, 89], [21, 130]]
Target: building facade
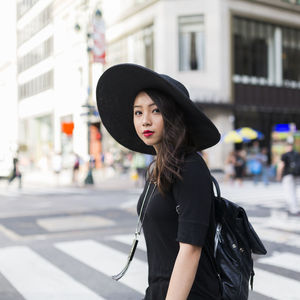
[[238, 58], [54, 77], [266, 67], [35, 77], [8, 94]]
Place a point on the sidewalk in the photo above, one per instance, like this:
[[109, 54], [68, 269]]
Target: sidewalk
[[107, 179], [103, 179]]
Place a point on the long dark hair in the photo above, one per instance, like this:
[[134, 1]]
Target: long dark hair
[[176, 142]]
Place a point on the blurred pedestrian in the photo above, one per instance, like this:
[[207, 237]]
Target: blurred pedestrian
[[57, 165], [75, 170], [262, 157], [176, 208], [229, 167], [239, 166], [16, 173], [285, 173], [139, 165]]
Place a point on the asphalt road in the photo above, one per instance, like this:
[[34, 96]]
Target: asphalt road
[[65, 243]]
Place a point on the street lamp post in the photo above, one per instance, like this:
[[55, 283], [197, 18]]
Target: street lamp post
[[95, 41], [96, 53], [89, 178]]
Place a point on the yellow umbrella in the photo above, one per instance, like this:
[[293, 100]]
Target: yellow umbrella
[[247, 133], [232, 137]]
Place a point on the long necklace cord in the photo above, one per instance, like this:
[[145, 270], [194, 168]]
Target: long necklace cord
[[136, 234]]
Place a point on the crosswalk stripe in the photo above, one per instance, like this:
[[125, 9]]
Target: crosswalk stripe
[[281, 237], [129, 203], [278, 221], [127, 239], [108, 261], [284, 260], [35, 278], [276, 286]]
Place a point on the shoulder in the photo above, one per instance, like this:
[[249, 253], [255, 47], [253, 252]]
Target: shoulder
[[194, 164], [195, 182], [286, 156], [283, 156]]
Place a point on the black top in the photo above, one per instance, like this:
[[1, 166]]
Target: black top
[[194, 224], [287, 158]]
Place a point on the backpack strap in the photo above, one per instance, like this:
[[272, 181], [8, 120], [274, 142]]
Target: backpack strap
[[220, 211], [206, 248], [216, 184]]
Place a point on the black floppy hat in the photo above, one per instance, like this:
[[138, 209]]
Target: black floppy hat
[[116, 90]]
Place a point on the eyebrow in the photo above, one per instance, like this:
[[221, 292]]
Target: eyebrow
[[141, 105]]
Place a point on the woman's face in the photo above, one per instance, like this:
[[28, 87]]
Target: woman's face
[[148, 120]]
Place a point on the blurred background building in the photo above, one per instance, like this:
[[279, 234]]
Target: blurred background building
[[8, 89], [240, 60], [54, 78]]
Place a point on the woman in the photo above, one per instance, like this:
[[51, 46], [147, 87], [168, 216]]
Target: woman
[[151, 113]]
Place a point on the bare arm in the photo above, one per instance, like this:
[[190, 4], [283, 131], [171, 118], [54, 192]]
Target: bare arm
[[280, 170], [184, 272]]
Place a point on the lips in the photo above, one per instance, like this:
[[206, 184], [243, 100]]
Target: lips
[[148, 133]]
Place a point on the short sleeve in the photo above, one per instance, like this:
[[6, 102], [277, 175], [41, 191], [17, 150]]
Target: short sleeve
[[284, 157], [193, 197]]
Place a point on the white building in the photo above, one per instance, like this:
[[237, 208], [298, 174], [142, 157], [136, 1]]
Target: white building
[[53, 76], [8, 88], [238, 58], [218, 49]]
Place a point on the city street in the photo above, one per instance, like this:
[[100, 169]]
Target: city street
[[92, 91], [65, 243]]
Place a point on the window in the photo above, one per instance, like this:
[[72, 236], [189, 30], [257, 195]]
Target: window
[[36, 55], [140, 47], [266, 53], [149, 43], [136, 48], [253, 46], [42, 20], [291, 55], [23, 6], [36, 85], [117, 52], [191, 43]]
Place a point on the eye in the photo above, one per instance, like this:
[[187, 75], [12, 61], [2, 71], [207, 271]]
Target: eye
[[137, 113], [156, 110]]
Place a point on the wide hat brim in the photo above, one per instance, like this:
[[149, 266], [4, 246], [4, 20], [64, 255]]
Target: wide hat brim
[[116, 90]]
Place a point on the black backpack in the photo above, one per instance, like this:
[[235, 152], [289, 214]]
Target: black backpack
[[235, 241], [294, 163]]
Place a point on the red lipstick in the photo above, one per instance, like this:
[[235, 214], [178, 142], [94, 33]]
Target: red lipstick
[[147, 133]]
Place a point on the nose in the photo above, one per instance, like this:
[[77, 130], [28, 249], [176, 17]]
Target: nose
[[146, 119]]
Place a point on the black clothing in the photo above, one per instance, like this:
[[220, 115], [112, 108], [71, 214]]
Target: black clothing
[[184, 214], [287, 158], [239, 166]]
